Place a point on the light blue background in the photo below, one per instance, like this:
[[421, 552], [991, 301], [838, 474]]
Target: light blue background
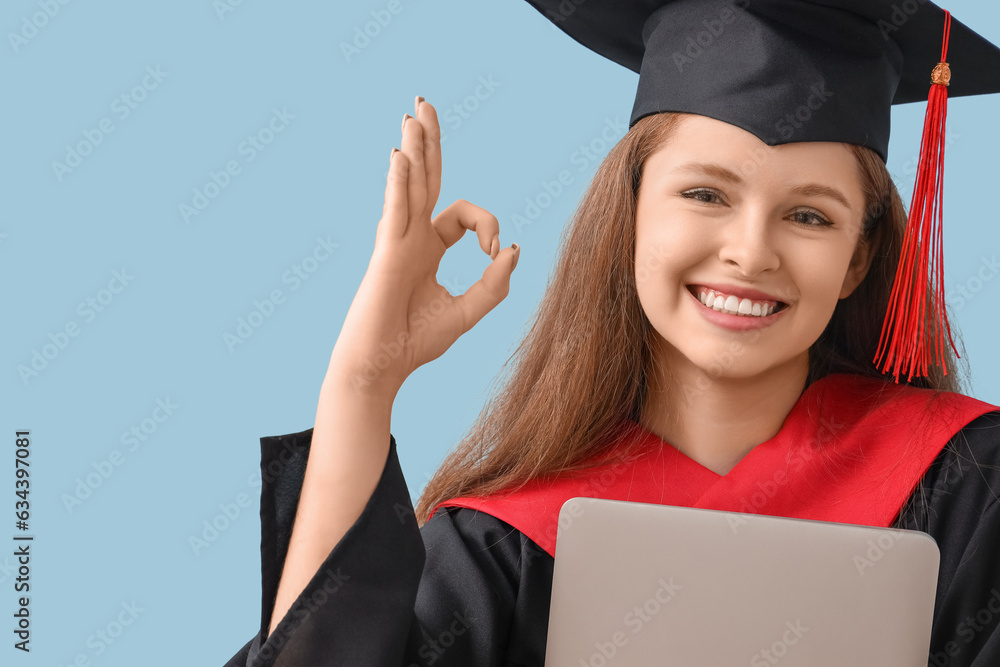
[[322, 176]]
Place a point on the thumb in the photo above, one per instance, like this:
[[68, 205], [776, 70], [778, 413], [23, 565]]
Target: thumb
[[484, 295]]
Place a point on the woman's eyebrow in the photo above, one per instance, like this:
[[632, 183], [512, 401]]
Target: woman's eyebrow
[[724, 174], [715, 170], [817, 190]]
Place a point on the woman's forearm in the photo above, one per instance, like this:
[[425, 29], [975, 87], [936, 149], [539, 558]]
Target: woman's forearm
[[350, 444]]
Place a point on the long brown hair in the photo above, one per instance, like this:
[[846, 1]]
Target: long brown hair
[[581, 370]]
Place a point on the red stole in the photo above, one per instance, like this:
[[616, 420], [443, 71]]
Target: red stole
[[852, 450]]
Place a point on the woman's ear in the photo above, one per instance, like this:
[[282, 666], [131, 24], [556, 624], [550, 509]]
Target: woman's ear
[[858, 268]]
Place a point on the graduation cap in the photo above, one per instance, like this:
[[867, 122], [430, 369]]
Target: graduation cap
[[810, 70]]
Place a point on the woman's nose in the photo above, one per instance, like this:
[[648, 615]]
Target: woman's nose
[[747, 243]]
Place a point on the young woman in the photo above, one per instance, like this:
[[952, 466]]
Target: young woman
[[716, 307]]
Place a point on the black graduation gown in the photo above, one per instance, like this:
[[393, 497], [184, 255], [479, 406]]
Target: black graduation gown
[[469, 590]]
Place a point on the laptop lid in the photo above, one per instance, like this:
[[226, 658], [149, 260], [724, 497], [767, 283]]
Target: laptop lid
[[641, 584]]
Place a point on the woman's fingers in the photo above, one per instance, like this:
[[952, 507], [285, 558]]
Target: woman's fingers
[[461, 215], [395, 209], [416, 185], [489, 290], [427, 115]]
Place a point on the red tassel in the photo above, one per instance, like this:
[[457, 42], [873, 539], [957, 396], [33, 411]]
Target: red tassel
[[916, 336]]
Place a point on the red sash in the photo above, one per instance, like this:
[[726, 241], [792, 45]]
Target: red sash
[[852, 450]]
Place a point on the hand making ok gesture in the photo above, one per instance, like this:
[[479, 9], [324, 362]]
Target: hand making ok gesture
[[401, 318]]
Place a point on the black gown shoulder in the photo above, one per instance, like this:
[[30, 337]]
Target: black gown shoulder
[[956, 504], [469, 590]]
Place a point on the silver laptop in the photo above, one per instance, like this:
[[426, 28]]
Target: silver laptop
[[639, 585]]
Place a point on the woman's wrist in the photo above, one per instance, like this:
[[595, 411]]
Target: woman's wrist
[[370, 384], [353, 387]]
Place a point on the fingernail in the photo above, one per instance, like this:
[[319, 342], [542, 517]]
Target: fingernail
[[495, 247], [517, 254], [392, 153], [405, 117], [416, 105]]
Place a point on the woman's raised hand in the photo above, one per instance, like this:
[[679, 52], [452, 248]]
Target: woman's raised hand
[[401, 318]]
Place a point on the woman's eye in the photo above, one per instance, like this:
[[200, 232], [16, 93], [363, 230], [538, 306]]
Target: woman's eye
[[806, 218], [811, 219], [706, 196]]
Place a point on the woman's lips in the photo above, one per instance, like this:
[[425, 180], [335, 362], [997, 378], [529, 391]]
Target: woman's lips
[[736, 290], [737, 302], [736, 322]]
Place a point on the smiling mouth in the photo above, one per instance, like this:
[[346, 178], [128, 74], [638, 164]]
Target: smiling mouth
[[734, 305]]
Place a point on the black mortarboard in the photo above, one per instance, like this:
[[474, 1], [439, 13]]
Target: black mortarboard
[[810, 70], [785, 70]]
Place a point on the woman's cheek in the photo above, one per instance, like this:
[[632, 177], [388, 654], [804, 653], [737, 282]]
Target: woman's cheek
[[653, 261]]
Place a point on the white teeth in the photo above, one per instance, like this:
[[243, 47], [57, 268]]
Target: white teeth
[[734, 305]]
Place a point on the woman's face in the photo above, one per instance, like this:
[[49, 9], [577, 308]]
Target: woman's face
[[742, 250]]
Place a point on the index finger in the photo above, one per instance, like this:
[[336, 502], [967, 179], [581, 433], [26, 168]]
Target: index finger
[[451, 224]]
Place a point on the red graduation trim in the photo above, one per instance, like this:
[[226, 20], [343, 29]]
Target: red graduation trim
[[852, 450]]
